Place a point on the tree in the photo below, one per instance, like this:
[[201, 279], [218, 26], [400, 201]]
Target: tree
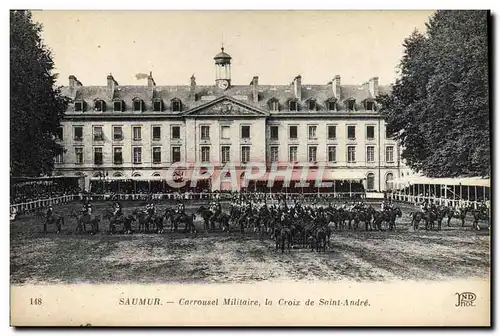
[[439, 106], [36, 105]]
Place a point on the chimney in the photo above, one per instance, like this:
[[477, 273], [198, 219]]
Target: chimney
[[255, 89], [297, 87], [336, 86], [112, 84], [151, 81], [73, 82], [192, 89], [373, 86]]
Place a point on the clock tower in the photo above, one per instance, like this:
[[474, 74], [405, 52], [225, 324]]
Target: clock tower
[[222, 70]]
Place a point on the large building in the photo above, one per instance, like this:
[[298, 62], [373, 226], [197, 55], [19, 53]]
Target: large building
[[138, 132]]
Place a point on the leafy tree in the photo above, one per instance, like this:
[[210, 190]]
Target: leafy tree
[[36, 105], [439, 106]]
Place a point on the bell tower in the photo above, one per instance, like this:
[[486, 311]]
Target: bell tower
[[222, 70]]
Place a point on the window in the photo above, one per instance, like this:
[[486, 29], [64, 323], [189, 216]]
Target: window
[[117, 133], [79, 106], [136, 133], [245, 154], [351, 132], [351, 105], [292, 154], [225, 154], [370, 154], [388, 134], [118, 106], [176, 105], [274, 153], [137, 152], [274, 105], [205, 154], [225, 132], [59, 159], [389, 154], [351, 154], [311, 104], [156, 154], [157, 105], [176, 132], [117, 155], [98, 155], [388, 181], [293, 105], [370, 106], [370, 181], [313, 150], [274, 132], [312, 132], [245, 132], [332, 132], [331, 105], [98, 134], [99, 105], [78, 155], [370, 132], [332, 154], [59, 133], [156, 133], [292, 132], [205, 133], [137, 105], [176, 154], [78, 133]]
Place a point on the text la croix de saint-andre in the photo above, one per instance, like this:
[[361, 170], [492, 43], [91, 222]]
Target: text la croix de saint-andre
[[155, 301]]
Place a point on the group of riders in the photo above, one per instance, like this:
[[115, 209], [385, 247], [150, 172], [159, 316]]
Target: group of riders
[[262, 216]]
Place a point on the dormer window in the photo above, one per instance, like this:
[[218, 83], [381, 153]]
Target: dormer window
[[79, 104], [138, 105], [293, 105], [176, 105], [99, 105], [351, 105], [157, 105], [331, 104], [370, 106], [311, 104], [118, 106], [274, 105]]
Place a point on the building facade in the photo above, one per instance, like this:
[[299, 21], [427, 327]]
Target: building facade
[[136, 132]]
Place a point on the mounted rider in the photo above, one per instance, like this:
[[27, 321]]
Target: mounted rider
[[48, 213], [180, 208]]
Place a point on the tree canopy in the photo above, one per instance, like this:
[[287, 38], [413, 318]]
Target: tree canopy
[[439, 106], [36, 105]]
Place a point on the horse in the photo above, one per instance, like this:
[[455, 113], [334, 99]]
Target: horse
[[393, 214], [480, 215], [56, 219], [182, 217], [82, 220], [319, 240], [206, 214], [283, 239], [428, 216], [456, 213], [144, 219]]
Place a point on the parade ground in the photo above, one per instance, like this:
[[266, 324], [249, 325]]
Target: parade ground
[[216, 257]]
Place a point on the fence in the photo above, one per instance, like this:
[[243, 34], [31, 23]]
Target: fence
[[39, 204], [398, 196]]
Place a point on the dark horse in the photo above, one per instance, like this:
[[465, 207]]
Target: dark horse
[[459, 214], [187, 220], [283, 239], [56, 219], [480, 215]]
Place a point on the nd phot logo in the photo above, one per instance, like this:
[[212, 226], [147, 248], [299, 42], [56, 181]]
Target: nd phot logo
[[465, 299]]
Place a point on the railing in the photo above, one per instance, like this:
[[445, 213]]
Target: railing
[[418, 199], [220, 196], [43, 203]]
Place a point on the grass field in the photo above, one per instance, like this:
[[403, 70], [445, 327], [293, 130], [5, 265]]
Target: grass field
[[39, 258]]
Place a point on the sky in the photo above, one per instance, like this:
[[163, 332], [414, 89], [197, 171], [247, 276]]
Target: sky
[[274, 45]]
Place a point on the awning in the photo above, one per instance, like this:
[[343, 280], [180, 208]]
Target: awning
[[465, 181], [313, 175]]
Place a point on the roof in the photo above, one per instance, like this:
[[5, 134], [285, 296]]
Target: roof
[[222, 55], [465, 181], [193, 96]]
